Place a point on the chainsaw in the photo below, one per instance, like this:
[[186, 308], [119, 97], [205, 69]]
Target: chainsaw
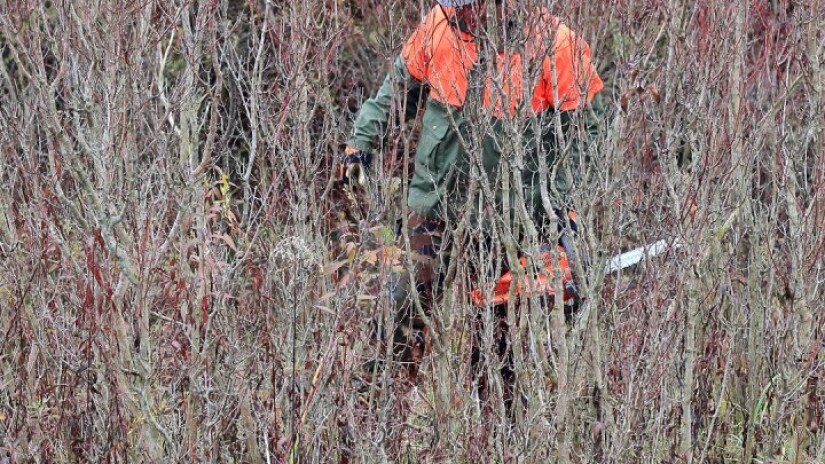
[[542, 283], [352, 176]]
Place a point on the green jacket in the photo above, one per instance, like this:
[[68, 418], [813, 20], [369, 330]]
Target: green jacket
[[441, 178]]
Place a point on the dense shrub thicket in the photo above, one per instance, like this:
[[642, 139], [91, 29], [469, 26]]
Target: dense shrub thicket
[[182, 281]]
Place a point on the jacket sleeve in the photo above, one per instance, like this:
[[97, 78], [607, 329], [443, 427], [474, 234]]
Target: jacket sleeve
[[371, 123]]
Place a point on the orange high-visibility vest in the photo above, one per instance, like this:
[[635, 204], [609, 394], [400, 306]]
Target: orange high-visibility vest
[[441, 56]]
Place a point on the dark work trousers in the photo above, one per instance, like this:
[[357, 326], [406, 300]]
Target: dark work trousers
[[430, 246], [429, 251]]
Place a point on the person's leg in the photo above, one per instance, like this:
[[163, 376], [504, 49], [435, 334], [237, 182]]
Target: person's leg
[[495, 355], [429, 249], [501, 358]]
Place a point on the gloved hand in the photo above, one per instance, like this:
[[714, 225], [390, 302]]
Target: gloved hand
[[354, 166]]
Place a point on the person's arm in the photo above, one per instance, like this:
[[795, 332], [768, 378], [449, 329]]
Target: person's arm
[[371, 123], [407, 78]]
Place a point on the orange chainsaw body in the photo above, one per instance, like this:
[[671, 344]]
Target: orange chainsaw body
[[542, 283]]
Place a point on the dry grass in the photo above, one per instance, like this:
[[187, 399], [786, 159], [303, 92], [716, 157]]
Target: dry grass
[[176, 283]]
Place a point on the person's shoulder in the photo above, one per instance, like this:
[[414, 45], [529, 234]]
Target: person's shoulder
[[544, 24], [545, 19], [547, 30], [433, 21], [435, 15]]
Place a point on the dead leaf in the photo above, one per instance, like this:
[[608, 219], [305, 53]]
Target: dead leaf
[[657, 97], [352, 250], [623, 102], [229, 242], [332, 268], [371, 257], [391, 254]]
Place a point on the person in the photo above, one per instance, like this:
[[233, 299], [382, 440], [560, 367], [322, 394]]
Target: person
[[446, 64]]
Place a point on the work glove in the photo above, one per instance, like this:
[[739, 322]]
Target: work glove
[[354, 167]]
